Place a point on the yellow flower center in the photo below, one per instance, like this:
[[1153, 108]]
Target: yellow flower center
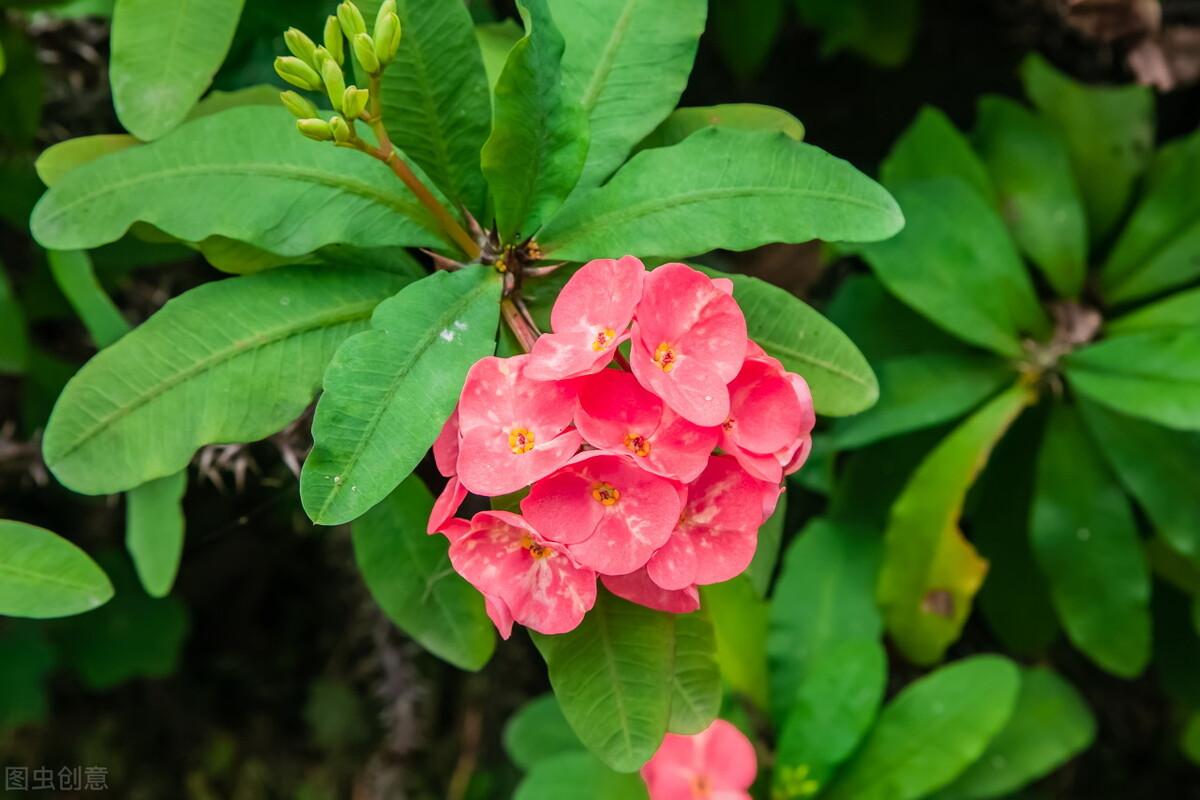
[[639, 445], [701, 788], [665, 357], [536, 550], [603, 339], [604, 494], [520, 440]]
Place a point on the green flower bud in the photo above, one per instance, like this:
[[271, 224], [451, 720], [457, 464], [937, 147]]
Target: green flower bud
[[387, 38], [342, 132], [301, 107], [335, 82], [300, 45], [364, 51], [297, 73], [334, 42], [385, 8], [351, 19], [316, 129], [354, 103]]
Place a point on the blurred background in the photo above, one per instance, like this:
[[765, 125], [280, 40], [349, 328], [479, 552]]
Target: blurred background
[[269, 672]]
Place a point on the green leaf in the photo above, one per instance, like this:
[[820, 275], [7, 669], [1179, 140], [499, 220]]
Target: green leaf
[[217, 101], [1189, 740], [770, 540], [825, 595], [744, 37], [739, 618], [245, 174], [59, 159], [1154, 376], [539, 140], [835, 704], [1036, 188], [696, 679], [881, 31], [612, 678], [932, 731], [613, 46], [134, 636], [26, 660], [389, 390], [409, 575], [496, 40], [683, 122], [154, 526], [721, 189], [955, 264], [75, 276], [1160, 246], [931, 147], [920, 391], [229, 361], [1109, 134], [1158, 467], [1176, 312], [14, 339], [930, 571], [435, 96], [870, 479], [1086, 542], [538, 732], [579, 776], [1049, 725], [164, 56], [43, 575], [881, 326]]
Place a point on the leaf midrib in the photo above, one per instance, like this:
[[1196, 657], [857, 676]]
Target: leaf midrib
[[608, 58], [351, 313], [39, 577]]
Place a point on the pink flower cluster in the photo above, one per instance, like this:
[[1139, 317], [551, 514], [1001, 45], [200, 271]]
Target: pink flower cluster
[[651, 474], [718, 763]]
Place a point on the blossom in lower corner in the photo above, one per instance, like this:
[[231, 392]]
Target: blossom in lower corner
[[526, 576], [719, 763], [513, 430], [590, 318]]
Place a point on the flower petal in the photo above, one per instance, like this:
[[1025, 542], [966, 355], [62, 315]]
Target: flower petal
[[636, 587]]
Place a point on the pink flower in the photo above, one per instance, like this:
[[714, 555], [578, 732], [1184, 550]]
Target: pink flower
[[766, 419], [522, 574], [589, 320], [689, 341], [445, 456], [718, 763], [717, 532], [513, 429], [636, 587], [617, 415], [498, 613], [610, 514]]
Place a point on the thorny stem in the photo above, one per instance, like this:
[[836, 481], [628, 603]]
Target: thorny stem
[[621, 361], [386, 153], [519, 323]]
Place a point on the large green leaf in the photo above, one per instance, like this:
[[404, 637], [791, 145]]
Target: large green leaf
[[770, 541], [164, 56], [739, 618], [881, 326], [1158, 467], [389, 390], [1179, 311], [834, 706], [154, 526], [744, 36], [1109, 134], [1049, 725], [244, 174], [580, 776], [1036, 190], [538, 731], [1154, 376], [930, 572], [696, 680], [75, 276], [1160, 247], [683, 122], [931, 147], [808, 344], [435, 95], [43, 575], [539, 140], [721, 188], [955, 263], [612, 678], [496, 39], [626, 63], [14, 339], [932, 731], [57, 160], [919, 391], [230, 361], [409, 575], [825, 595], [1086, 542]]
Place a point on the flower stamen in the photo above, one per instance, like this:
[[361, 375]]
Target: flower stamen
[[637, 444], [604, 337], [536, 550], [605, 494], [665, 356], [520, 440]]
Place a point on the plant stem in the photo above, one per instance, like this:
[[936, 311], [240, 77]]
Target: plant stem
[[386, 152], [520, 326]]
